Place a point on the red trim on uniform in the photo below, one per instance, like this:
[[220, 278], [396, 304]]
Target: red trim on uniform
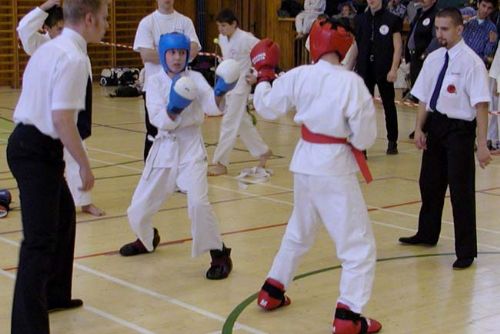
[[317, 138]]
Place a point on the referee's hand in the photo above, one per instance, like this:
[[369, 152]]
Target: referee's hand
[[420, 139], [483, 155]]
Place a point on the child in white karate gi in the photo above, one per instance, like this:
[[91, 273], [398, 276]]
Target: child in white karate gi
[[177, 101]]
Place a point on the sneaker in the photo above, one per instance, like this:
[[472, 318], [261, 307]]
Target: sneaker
[[349, 322], [221, 264], [272, 295], [392, 148], [137, 247]]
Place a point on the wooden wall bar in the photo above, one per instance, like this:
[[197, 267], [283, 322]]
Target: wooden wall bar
[[257, 16]]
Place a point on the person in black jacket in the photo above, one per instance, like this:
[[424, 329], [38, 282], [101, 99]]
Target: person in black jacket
[[422, 38], [421, 41], [378, 35]]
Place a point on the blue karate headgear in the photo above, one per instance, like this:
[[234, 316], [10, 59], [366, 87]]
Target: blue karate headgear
[[171, 41]]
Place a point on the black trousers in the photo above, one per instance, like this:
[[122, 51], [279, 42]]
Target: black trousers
[[386, 90], [151, 130], [416, 64], [48, 217], [449, 161]]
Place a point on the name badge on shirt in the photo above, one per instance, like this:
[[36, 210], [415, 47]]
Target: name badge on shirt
[[384, 29], [426, 22]]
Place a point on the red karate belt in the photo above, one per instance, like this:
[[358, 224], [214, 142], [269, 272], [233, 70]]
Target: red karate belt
[[317, 138]]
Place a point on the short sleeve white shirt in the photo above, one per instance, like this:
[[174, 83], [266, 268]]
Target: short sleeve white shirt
[[28, 29], [153, 26], [54, 79], [464, 85]]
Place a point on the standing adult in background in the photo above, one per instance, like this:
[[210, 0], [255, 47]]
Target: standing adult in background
[[480, 33], [454, 95], [421, 40], [378, 36], [49, 17], [164, 20], [421, 34], [45, 122]]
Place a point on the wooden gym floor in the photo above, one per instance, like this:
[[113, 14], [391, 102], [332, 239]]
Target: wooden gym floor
[[415, 290]]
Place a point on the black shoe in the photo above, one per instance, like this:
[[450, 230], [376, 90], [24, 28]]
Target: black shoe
[[62, 306], [460, 264], [412, 135], [414, 240], [221, 264], [392, 148], [137, 247]]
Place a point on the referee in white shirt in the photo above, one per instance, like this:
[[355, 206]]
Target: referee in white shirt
[[453, 103], [54, 88]]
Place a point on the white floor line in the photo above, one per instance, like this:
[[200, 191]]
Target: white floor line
[[120, 321], [145, 291], [10, 242], [114, 165], [90, 148], [162, 297], [98, 312]]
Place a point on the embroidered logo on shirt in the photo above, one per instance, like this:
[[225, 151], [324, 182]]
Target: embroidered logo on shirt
[[384, 29], [451, 89], [426, 22]]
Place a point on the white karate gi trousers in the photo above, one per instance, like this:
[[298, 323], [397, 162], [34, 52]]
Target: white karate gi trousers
[[157, 184], [337, 202], [72, 172]]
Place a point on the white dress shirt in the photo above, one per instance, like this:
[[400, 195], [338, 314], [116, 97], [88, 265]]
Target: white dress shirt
[[153, 26], [464, 85], [54, 79], [28, 30], [329, 100]]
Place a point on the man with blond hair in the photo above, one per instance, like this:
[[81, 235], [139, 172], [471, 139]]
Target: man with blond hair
[[45, 122]]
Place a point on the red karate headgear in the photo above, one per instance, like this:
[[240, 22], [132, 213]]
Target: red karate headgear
[[329, 36]]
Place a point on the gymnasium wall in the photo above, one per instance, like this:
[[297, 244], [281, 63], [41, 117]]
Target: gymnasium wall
[[257, 16]]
